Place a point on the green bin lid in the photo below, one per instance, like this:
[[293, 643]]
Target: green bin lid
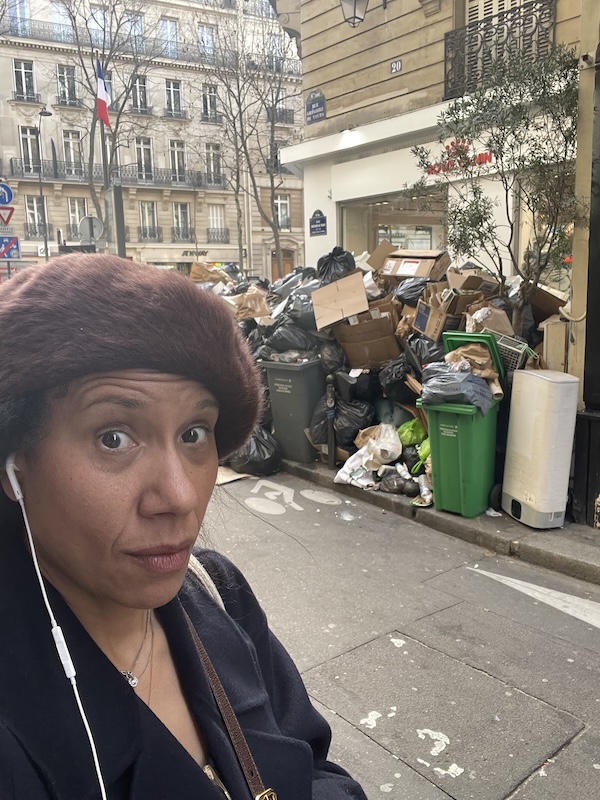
[[455, 339]]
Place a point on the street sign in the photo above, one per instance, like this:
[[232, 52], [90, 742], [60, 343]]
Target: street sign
[[6, 213], [9, 248], [6, 194], [7, 230], [91, 228]]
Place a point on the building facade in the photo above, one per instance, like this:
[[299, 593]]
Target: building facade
[[169, 145], [375, 91]]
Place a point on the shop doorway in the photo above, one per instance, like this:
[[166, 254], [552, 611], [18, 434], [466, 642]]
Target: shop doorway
[[287, 263]]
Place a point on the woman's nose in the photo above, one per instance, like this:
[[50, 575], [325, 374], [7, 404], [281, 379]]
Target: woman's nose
[[170, 486]]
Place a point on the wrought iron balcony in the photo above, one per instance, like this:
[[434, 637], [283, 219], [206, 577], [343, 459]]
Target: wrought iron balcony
[[214, 179], [175, 113], [150, 233], [35, 230], [258, 8], [140, 109], [127, 175], [473, 52], [72, 232], [217, 235], [55, 170], [212, 116], [184, 234], [281, 116], [71, 102], [26, 97]]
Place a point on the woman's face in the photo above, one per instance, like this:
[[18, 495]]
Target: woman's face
[[117, 488]]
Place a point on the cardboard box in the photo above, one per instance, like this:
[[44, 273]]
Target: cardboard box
[[369, 343], [545, 303], [432, 321], [340, 300], [467, 279], [416, 264], [379, 255]]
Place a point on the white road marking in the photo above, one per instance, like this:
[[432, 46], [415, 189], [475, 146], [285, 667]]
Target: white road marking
[[264, 506], [370, 721], [453, 771], [325, 498], [398, 642], [276, 491], [578, 607]]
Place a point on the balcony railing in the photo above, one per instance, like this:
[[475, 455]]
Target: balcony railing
[[175, 113], [35, 230], [217, 235], [150, 234], [281, 116], [212, 116], [259, 8], [26, 97], [129, 174], [71, 102], [472, 53], [121, 42], [145, 111], [184, 234]]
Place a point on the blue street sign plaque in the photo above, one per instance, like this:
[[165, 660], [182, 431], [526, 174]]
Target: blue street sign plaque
[[9, 248], [6, 194]]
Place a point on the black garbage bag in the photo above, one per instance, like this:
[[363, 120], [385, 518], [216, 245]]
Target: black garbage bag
[[255, 339], [247, 326], [411, 457], [421, 351], [264, 353], [350, 418], [285, 335], [443, 384], [284, 286], [335, 265], [260, 456], [392, 483], [391, 380], [299, 308], [367, 387], [411, 290], [332, 357]]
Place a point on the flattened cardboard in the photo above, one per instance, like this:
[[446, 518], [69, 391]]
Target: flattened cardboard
[[340, 300], [471, 280], [416, 263], [371, 354], [366, 330], [379, 255], [431, 322]]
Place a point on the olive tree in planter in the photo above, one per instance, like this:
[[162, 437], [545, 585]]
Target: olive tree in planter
[[518, 132]]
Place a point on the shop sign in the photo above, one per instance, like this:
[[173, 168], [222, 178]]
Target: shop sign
[[458, 157], [194, 253], [317, 224], [316, 107]]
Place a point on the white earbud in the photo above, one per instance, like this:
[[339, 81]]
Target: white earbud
[[11, 471]]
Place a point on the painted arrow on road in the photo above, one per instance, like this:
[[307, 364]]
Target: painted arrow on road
[[578, 607]]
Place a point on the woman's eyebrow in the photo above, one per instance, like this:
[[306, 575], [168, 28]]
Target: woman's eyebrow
[[208, 402], [118, 400]]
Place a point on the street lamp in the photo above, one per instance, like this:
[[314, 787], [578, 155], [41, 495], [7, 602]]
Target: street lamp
[[43, 113], [354, 11]]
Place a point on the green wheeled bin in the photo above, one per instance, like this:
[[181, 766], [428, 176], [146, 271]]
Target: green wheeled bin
[[294, 390], [463, 456]]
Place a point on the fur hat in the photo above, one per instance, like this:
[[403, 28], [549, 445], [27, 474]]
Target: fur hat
[[81, 314]]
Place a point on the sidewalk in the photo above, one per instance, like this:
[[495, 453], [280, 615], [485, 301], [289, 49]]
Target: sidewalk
[[573, 550]]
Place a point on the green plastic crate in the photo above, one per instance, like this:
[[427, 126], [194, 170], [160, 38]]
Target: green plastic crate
[[463, 454]]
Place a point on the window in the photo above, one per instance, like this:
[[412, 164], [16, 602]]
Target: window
[[62, 24], [143, 151], [216, 216], [168, 33], [35, 215], [24, 86], [181, 222], [109, 88], [177, 159], [148, 227], [214, 175], [67, 92], [30, 150], [139, 94], [133, 28], [478, 9], [99, 25], [18, 15], [210, 103], [282, 207], [77, 207], [174, 106], [72, 148], [206, 42], [274, 164]]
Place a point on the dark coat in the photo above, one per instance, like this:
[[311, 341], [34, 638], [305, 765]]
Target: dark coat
[[44, 752]]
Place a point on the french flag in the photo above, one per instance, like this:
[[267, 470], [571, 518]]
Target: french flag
[[102, 98]]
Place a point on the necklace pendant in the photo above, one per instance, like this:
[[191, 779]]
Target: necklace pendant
[[130, 678]]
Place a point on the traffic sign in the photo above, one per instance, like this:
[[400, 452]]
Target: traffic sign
[[6, 213], [6, 194], [91, 227], [7, 230], [9, 248]]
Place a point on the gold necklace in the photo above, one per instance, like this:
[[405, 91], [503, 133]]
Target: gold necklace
[[131, 679]]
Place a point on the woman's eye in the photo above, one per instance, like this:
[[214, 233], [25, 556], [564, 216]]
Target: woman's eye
[[115, 440], [194, 435]]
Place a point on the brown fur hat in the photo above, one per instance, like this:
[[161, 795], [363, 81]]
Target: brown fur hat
[[81, 314]]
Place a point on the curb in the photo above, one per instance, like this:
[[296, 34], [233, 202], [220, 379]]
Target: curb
[[573, 550]]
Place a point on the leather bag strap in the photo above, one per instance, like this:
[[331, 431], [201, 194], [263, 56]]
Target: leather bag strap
[[238, 740]]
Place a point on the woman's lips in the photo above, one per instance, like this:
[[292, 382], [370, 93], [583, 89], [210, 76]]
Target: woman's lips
[[161, 562]]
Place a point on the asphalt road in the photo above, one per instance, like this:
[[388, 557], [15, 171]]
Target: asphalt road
[[444, 671]]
